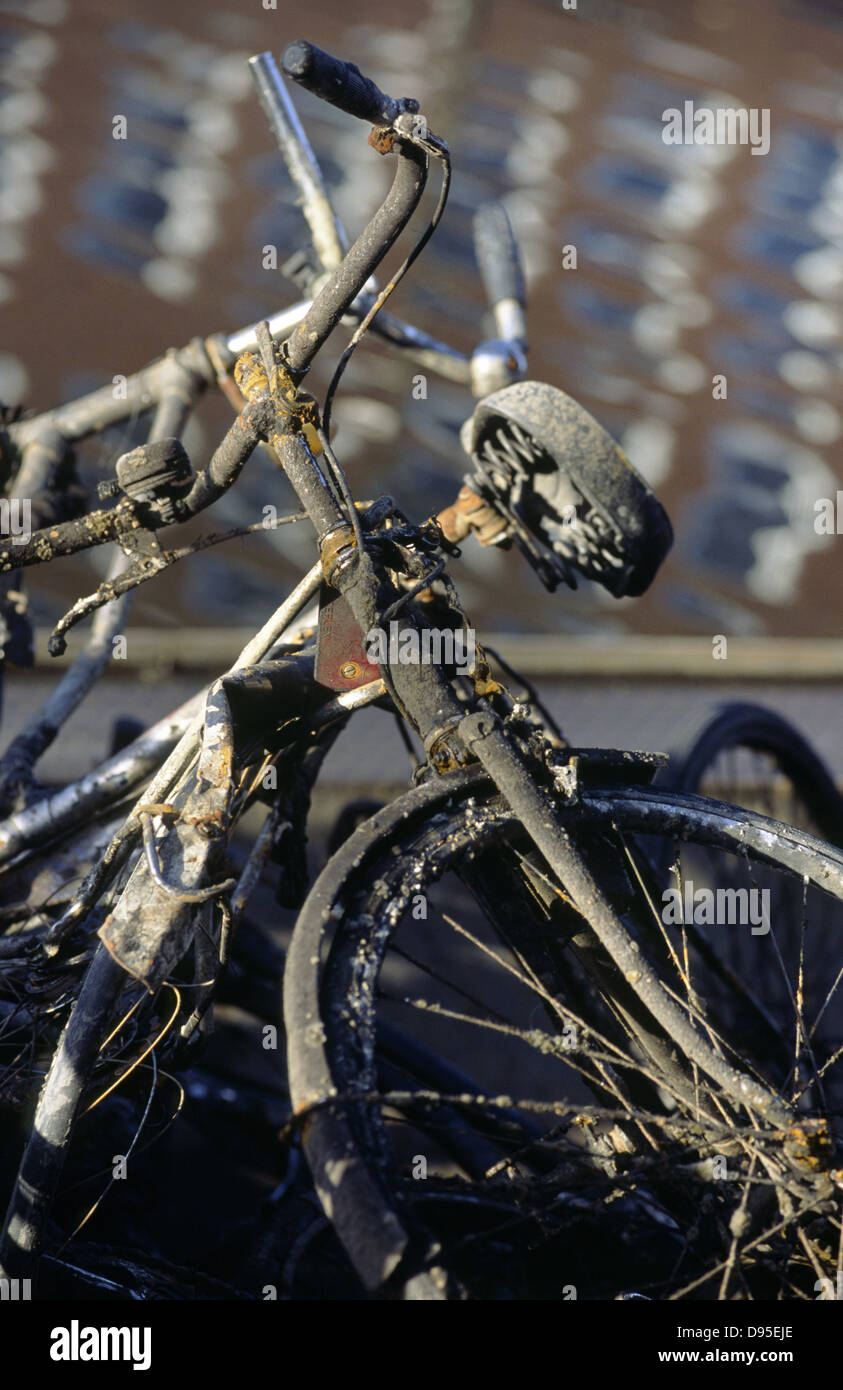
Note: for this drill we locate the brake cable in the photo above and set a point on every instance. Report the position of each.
(441, 152)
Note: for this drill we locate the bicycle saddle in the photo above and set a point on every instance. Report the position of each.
(569, 497)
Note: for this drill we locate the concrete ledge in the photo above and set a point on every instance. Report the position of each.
(209, 650)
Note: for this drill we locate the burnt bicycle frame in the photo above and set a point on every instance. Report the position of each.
(455, 732)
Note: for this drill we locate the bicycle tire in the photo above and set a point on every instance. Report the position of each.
(331, 1015)
(740, 725)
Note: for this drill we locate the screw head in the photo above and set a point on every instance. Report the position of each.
(350, 670)
(209, 829)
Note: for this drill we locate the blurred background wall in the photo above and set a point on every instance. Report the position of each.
(691, 262)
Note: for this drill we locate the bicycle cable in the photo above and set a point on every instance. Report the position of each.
(333, 462)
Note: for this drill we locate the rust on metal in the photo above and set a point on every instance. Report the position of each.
(298, 410)
(336, 548)
(225, 380)
(342, 662)
(152, 925)
(250, 375)
(446, 751)
(471, 514)
(382, 139)
(808, 1142)
(484, 682)
(210, 825)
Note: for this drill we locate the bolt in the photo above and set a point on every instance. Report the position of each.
(167, 510)
(478, 725)
(350, 670)
(208, 829)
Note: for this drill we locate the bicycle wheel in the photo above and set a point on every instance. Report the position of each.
(73, 1065)
(516, 1185)
(751, 756)
(93, 1047)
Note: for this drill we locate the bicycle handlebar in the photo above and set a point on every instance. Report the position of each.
(497, 254)
(500, 266)
(328, 237)
(342, 84)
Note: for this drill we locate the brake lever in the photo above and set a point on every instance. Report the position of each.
(154, 479)
(146, 566)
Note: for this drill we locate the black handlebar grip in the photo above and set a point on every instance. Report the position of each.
(497, 255)
(342, 84)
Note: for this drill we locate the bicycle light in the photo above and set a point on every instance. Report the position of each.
(158, 472)
(571, 499)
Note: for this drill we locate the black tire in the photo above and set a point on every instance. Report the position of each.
(808, 797)
(355, 1126)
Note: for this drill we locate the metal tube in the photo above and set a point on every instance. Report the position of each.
(40, 461)
(24, 751)
(99, 409)
(98, 789)
(245, 340)
(308, 481)
(346, 282)
(483, 735)
(428, 351)
(236, 446)
(329, 239)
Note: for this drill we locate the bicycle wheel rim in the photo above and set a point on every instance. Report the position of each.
(314, 1067)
